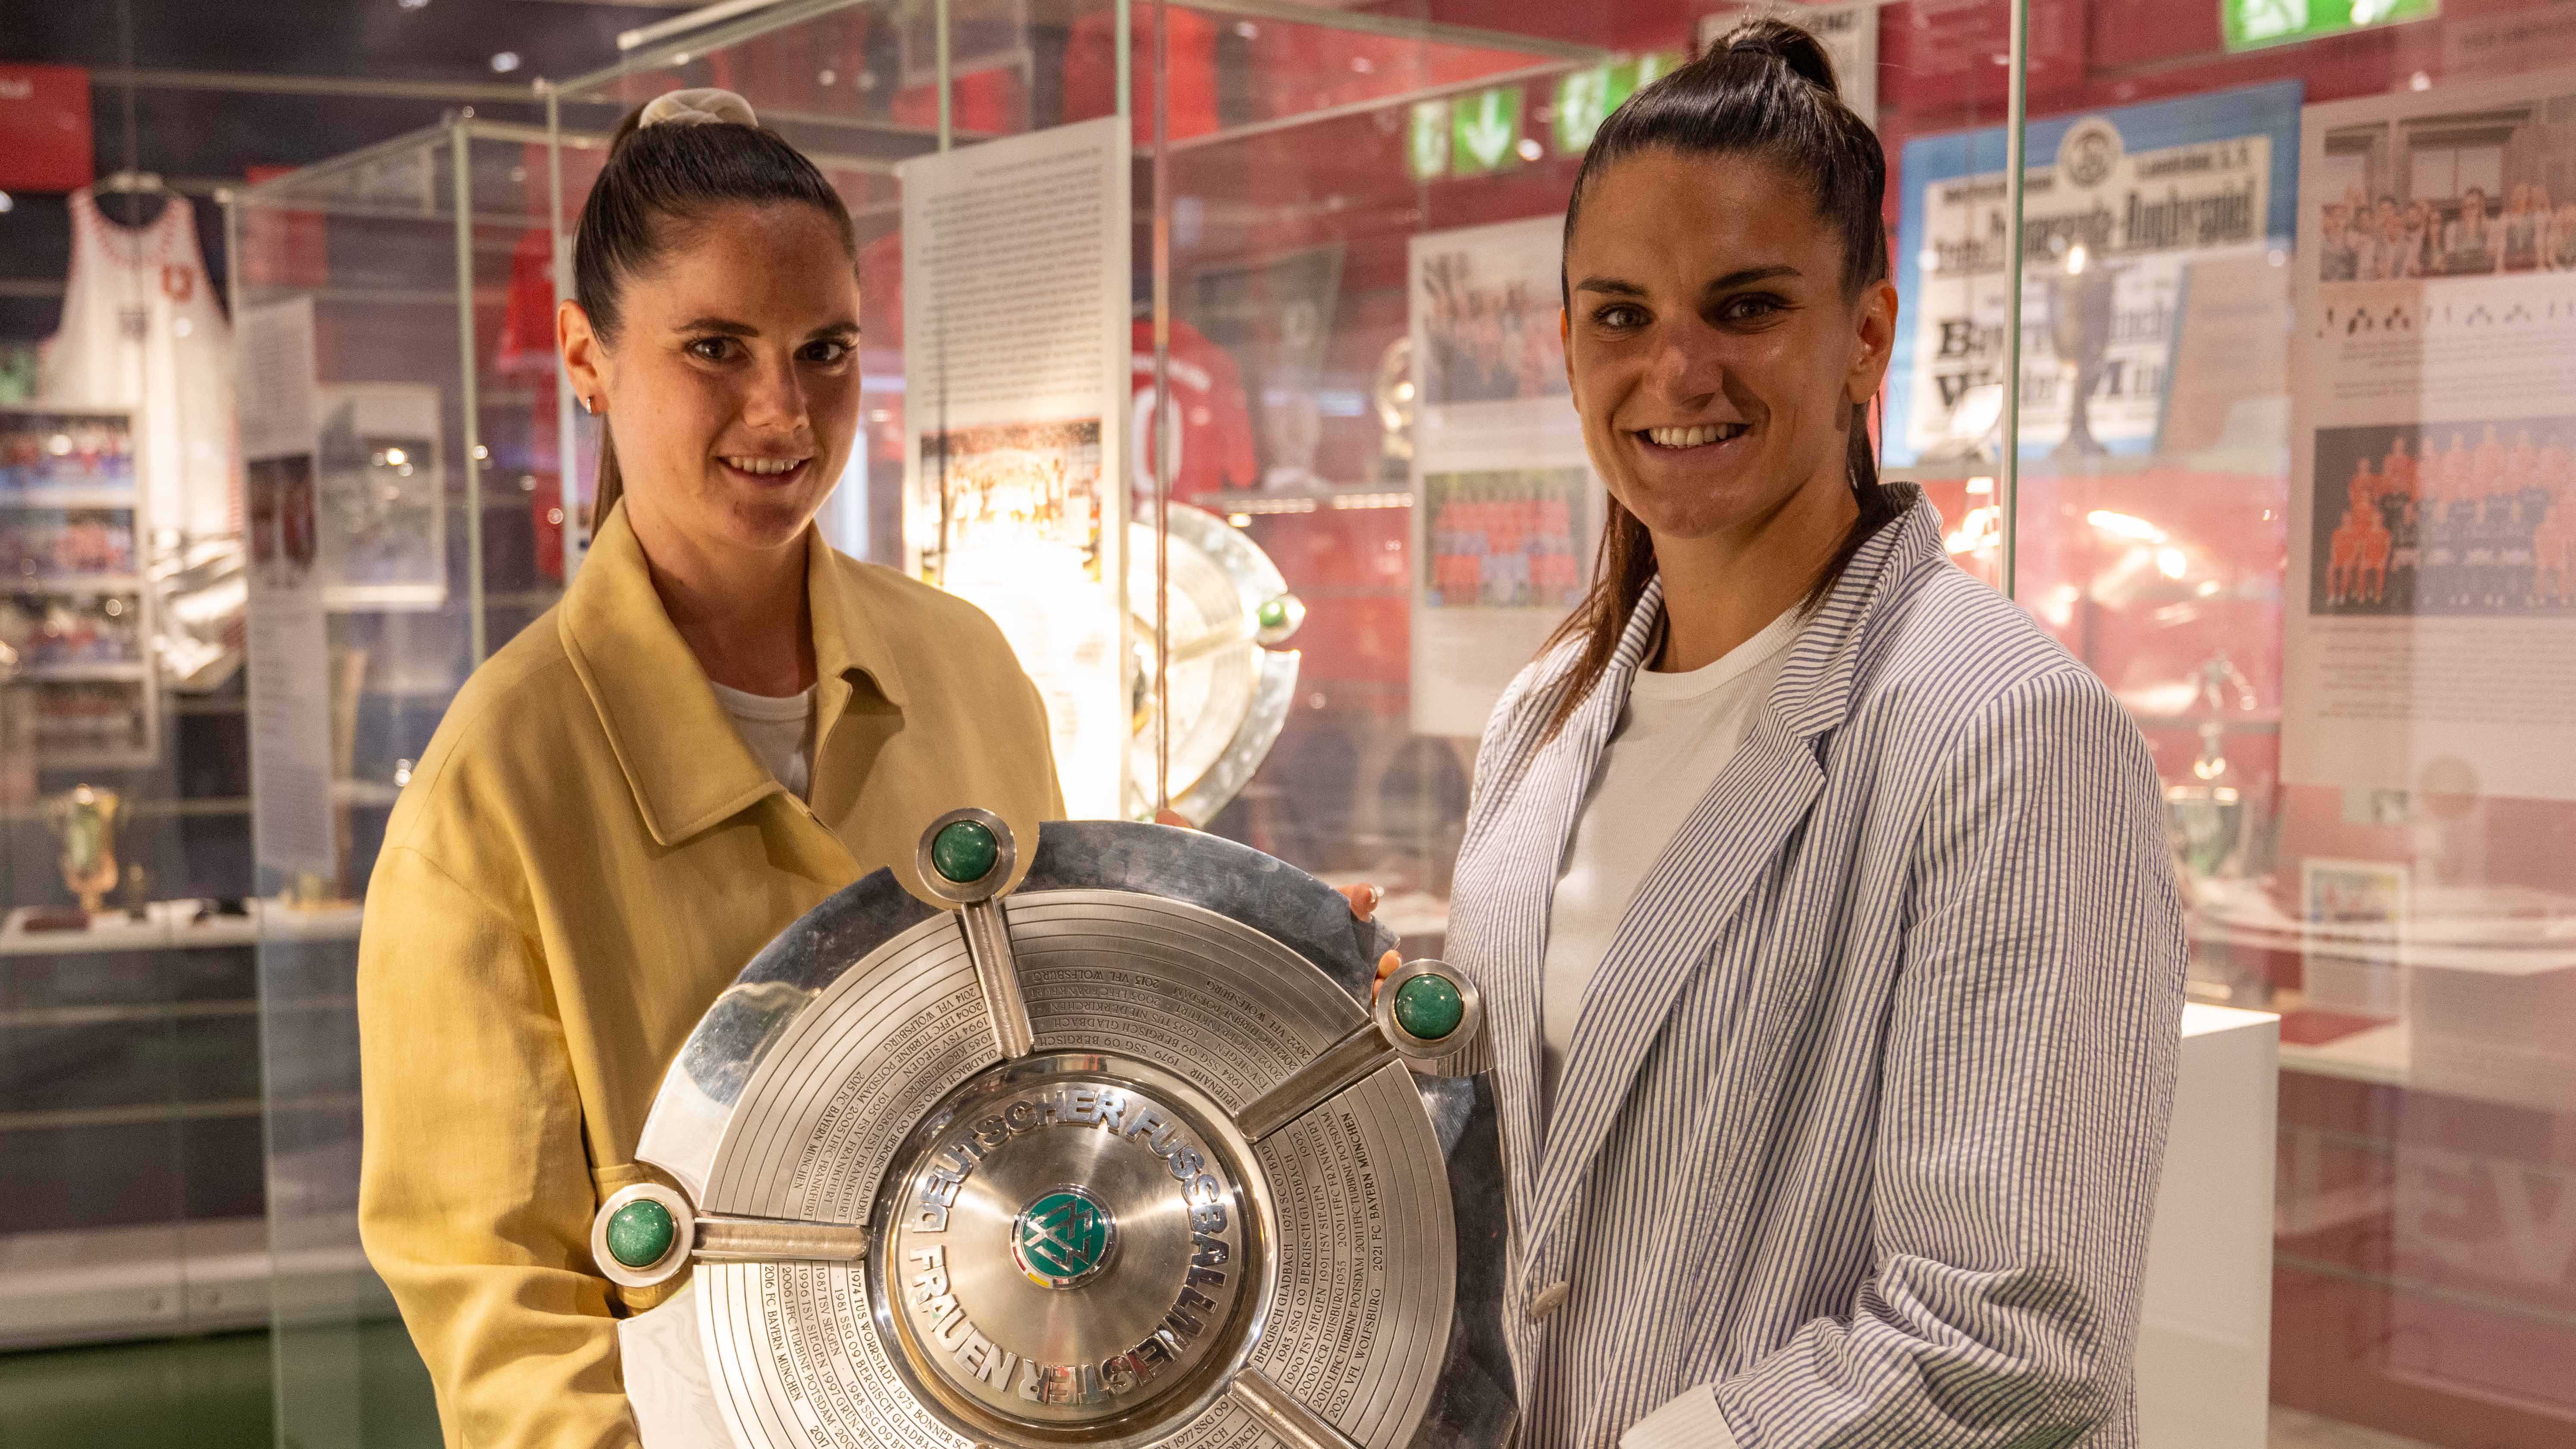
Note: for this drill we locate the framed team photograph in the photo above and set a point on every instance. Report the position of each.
(282, 528)
(1012, 485)
(1508, 538)
(2467, 518)
(2365, 897)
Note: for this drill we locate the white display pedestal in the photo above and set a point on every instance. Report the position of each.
(2205, 1342)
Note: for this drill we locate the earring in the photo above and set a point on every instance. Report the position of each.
(589, 407)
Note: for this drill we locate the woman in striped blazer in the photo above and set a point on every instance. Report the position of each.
(1821, 903)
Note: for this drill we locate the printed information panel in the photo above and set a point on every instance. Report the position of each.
(2432, 611)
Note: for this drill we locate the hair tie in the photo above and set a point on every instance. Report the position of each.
(701, 106)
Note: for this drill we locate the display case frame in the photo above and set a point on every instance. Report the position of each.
(437, 431)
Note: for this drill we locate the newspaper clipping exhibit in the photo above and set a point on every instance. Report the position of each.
(2432, 580)
(2120, 207)
(290, 719)
(1504, 515)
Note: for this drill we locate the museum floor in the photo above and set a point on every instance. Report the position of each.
(215, 1393)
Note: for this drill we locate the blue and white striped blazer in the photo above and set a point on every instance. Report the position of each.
(1859, 1131)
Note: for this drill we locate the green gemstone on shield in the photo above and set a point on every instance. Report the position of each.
(640, 1233)
(964, 852)
(1429, 1007)
(1273, 614)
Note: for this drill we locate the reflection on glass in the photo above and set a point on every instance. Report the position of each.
(2324, 590)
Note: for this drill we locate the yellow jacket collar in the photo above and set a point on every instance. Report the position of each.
(681, 754)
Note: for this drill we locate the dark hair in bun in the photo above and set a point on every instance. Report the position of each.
(659, 179)
(1766, 90)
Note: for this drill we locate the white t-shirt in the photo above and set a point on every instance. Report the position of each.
(1676, 732)
(779, 731)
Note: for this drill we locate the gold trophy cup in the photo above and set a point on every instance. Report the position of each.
(84, 819)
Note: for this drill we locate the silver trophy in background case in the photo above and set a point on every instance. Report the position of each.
(1230, 683)
(1124, 1156)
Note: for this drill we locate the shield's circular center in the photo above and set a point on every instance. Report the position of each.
(1070, 1241)
(1063, 1238)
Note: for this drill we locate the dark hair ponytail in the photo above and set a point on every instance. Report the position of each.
(659, 179)
(1767, 89)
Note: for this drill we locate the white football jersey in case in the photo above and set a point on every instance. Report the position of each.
(141, 330)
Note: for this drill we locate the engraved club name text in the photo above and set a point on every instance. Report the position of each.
(1191, 1315)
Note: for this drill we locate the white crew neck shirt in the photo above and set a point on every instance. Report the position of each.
(780, 732)
(1675, 733)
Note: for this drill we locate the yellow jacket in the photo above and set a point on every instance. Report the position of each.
(587, 854)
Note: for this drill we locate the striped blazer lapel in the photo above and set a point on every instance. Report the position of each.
(1700, 882)
(1687, 898)
(1516, 857)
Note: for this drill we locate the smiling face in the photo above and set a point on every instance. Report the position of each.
(732, 386)
(1714, 352)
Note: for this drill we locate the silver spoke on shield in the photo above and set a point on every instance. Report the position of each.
(770, 1240)
(647, 1232)
(988, 941)
(965, 858)
(1233, 635)
(1288, 1421)
(1423, 1010)
(1343, 1064)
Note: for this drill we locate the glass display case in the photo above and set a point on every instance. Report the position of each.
(2292, 472)
(404, 429)
(1376, 255)
(129, 1030)
(2224, 350)
(856, 85)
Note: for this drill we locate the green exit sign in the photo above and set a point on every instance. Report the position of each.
(1485, 131)
(1471, 135)
(1481, 132)
(2251, 23)
(1426, 145)
(1585, 98)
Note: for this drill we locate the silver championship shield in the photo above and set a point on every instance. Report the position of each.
(1126, 1157)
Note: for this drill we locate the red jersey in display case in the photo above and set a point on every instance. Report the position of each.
(1212, 446)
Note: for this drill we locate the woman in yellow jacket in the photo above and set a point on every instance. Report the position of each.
(723, 722)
